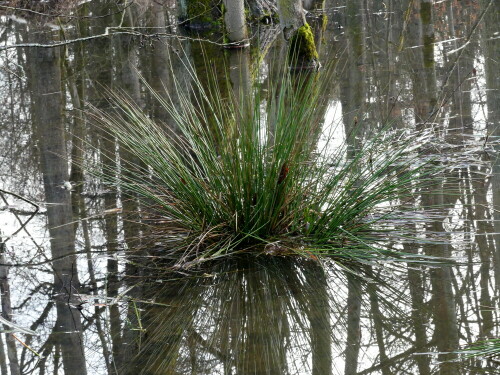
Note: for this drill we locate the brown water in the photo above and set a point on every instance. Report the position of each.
(71, 271)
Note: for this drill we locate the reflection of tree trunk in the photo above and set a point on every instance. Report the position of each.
(382, 44)
(459, 86)
(496, 217)
(100, 50)
(241, 79)
(3, 359)
(76, 88)
(418, 314)
(353, 342)
(352, 89)
(419, 309)
(167, 324)
(377, 321)
(424, 91)
(427, 24)
(491, 48)
(45, 81)
(481, 216)
(259, 338)
(76, 79)
(248, 319)
(445, 318)
(160, 63)
(415, 60)
(319, 318)
(7, 315)
(236, 323)
(352, 93)
(127, 79)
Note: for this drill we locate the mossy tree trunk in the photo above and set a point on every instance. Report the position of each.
(197, 14)
(262, 10)
(313, 4)
(297, 33)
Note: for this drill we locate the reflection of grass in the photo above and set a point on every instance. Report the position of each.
(484, 349)
(239, 175)
(256, 315)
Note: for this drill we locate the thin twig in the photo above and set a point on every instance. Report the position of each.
(467, 40)
(110, 32)
(23, 225)
(49, 260)
(63, 15)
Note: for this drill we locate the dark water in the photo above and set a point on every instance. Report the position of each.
(74, 269)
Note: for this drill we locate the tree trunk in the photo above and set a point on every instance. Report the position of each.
(262, 10)
(234, 18)
(298, 33)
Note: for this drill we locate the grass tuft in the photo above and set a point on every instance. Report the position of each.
(260, 172)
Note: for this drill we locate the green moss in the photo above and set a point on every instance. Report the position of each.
(302, 44)
(248, 14)
(428, 51)
(199, 11)
(324, 22)
(426, 13)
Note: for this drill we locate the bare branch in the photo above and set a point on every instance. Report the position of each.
(112, 31)
(23, 225)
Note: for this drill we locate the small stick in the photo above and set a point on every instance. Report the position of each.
(27, 346)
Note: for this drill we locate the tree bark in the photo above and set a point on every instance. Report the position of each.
(234, 18)
(262, 9)
(298, 33)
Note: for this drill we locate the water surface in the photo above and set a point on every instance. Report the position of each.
(79, 271)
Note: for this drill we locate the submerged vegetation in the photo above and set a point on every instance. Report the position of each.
(247, 173)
